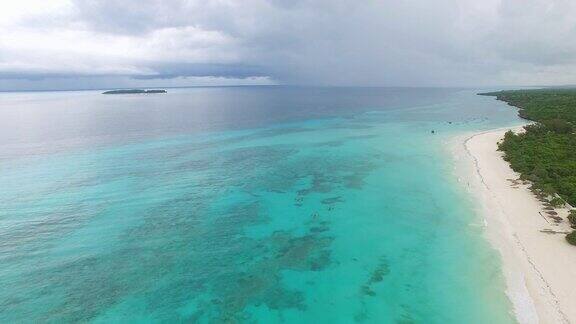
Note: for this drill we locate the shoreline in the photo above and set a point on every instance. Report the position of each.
(538, 267)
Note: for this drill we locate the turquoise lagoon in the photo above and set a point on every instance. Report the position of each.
(243, 205)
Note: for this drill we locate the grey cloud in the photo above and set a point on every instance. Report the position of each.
(327, 42)
(130, 17)
(169, 71)
(536, 32)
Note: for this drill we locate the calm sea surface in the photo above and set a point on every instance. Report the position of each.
(243, 205)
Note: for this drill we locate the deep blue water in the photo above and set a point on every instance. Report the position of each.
(243, 204)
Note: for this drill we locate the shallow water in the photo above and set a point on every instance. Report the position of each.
(257, 204)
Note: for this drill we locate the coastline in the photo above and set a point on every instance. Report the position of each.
(538, 266)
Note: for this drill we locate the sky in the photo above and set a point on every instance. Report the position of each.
(68, 44)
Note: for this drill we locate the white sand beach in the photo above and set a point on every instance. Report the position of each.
(538, 264)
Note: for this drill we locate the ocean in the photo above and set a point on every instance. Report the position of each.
(244, 205)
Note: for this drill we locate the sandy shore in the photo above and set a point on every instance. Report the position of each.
(538, 264)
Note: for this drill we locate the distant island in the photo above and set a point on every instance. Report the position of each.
(127, 91)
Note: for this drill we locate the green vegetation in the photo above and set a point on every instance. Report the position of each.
(543, 105)
(572, 217)
(545, 153)
(571, 238)
(557, 202)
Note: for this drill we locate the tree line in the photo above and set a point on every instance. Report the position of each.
(545, 153)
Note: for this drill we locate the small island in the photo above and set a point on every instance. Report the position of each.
(129, 91)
